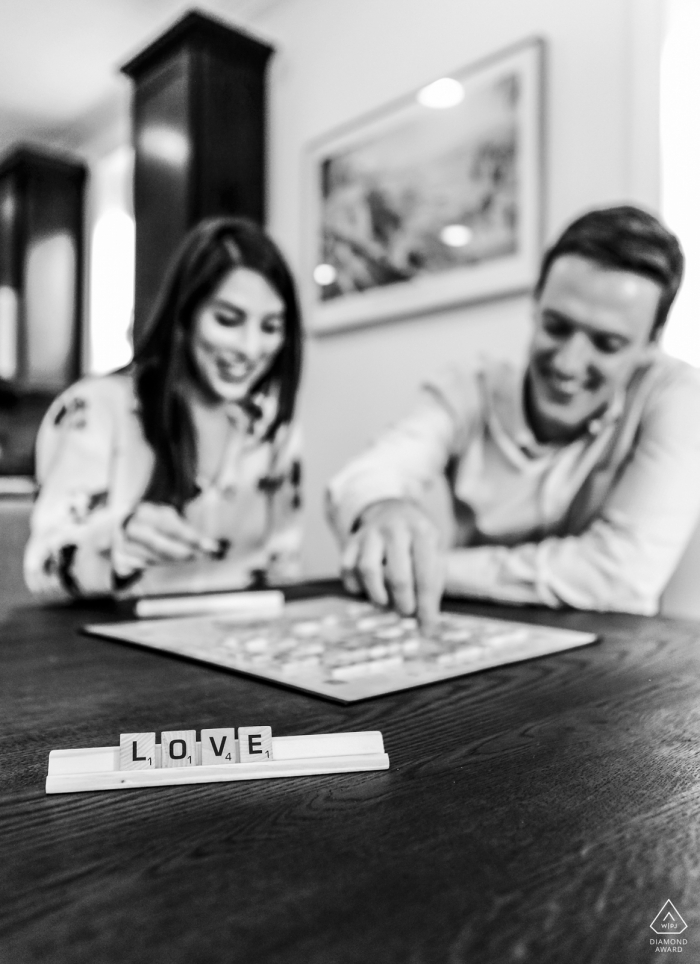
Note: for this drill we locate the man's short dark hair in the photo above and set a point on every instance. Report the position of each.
(623, 238)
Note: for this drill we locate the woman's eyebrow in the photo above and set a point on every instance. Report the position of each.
(226, 305)
(222, 304)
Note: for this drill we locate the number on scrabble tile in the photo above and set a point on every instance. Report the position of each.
(137, 751)
(255, 743)
(178, 748)
(219, 746)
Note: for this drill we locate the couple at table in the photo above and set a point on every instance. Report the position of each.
(574, 476)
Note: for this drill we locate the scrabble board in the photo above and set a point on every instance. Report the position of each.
(344, 649)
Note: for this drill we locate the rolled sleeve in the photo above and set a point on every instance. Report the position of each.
(406, 459)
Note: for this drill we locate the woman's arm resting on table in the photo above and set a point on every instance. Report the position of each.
(284, 542)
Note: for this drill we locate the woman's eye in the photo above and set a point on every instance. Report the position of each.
(229, 320)
(273, 326)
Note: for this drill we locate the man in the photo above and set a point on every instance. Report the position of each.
(575, 479)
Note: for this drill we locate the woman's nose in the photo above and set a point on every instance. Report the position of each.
(251, 341)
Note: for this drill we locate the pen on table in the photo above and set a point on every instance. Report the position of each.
(261, 604)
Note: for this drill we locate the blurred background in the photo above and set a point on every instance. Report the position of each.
(94, 160)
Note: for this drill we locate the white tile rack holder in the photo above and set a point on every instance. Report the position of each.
(97, 768)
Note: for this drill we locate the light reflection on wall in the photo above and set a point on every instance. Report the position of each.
(9, 307)
(166, 144)
(9, 299)
(112, 252)
(49, 310)
(680, 159)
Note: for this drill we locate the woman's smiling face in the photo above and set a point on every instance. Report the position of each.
(236, 334)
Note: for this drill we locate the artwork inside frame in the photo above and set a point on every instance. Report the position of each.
(418, 207)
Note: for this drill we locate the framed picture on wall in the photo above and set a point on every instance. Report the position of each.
(430, 202)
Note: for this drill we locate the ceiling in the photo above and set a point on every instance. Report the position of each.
(60, 59)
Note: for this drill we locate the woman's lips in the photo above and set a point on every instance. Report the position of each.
(235, 372)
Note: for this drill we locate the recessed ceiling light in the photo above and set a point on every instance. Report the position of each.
(442, 93)
(325, 274)
(456, 235)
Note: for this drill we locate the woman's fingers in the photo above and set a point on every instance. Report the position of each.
(170, 523)
(159, 534)
(155, 546)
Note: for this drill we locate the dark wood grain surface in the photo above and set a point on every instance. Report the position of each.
(538, 812)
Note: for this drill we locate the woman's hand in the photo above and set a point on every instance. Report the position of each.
(395, 557)
(156, 534)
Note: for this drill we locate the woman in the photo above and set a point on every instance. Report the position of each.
(181, 473)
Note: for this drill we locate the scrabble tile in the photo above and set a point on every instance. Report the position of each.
(255, 744)
(137, 751)
(178, 748)
(219, 746)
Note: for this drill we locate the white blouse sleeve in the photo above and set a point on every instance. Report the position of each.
(285, 539)
(72, 524)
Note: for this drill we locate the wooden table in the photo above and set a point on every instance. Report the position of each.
(532, 813)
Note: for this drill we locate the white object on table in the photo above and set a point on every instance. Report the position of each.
(97, 768)
(249, 605)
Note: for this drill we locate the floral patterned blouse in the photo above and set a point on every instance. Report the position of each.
(93, 466)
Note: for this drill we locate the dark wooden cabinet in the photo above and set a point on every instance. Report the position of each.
(199, 120)
(41, 293)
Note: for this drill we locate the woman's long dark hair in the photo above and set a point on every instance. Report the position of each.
(212, 249)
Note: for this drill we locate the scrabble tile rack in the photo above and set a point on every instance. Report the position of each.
(97, 768)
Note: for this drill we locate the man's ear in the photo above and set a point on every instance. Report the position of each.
(654, 342)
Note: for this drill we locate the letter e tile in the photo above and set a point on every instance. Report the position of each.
(219, 746)
(255, 743)
(178, 748)
(137, 751)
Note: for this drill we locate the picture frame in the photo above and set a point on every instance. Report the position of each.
(417, 208)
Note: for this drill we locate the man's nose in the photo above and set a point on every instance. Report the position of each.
(572, 358)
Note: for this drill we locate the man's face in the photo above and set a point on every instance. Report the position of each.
(592, 329)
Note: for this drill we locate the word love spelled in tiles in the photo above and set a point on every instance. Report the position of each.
(180, 748)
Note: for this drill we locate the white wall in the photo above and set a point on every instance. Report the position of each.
(680, 148)
(337, 60)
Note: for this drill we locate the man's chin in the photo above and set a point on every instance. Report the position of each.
(558, 416)
(560, 422)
